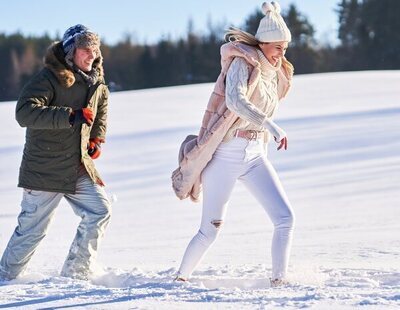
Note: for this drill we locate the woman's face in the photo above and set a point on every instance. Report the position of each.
(274, 51)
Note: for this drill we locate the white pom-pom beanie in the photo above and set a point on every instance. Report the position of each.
(272, 27)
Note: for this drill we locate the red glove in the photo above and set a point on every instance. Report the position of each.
(82, 116)
(88, 115)
(94, 147)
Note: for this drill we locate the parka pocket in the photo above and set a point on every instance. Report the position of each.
(30, 200)
(27, 207)
(28, 219)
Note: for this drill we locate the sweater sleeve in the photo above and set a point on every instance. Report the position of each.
(236, 93)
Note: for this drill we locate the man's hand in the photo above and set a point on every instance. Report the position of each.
(94, 148)
(82, 116)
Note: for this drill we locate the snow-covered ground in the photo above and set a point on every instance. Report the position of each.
(341, 172)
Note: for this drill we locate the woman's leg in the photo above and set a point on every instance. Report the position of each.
(263, 182)
(218, 179)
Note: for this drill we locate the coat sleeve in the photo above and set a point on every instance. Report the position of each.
(236, 93)
(33, 108)
(99, 127)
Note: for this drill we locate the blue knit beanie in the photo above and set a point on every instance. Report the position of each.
(70, 35)
(79, 36)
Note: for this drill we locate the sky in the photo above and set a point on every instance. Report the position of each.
(148, 21)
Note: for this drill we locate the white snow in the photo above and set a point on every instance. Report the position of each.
(341, 173)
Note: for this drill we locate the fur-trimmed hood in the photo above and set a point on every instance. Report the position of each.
(55, 62)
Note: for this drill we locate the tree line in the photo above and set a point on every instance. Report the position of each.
(368, 33)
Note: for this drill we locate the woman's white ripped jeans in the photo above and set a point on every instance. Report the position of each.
(240, 159)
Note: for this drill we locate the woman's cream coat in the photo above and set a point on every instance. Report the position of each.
(197, 151)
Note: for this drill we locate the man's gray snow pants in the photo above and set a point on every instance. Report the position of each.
(90, 202)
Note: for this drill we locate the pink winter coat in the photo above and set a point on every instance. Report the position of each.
(197, 151)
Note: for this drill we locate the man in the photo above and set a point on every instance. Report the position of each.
(64, 108)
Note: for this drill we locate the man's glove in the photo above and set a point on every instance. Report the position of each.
(278, 133)
(94, 148)
(81, 116)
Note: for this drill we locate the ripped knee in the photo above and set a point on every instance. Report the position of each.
(217, 223)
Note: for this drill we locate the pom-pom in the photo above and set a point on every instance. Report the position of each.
(267, 7)
(276, 6)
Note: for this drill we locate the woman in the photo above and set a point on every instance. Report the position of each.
(255, 76)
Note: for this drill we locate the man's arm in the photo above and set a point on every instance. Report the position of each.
(33, 108)
(99, 127)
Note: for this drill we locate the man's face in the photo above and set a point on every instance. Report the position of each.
(84, 57)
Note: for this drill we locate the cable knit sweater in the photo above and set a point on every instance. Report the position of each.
(262, 103)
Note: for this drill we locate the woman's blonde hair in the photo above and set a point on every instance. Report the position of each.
(236, 34)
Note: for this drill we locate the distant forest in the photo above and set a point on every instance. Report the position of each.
(368, 33)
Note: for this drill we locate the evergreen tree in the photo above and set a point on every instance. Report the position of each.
(369, 34)
(379, 37)
(350, 25)
(349, 22)
(301, 29)
(251, 23)
(302, 49)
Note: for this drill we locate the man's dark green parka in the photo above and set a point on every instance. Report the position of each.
(54, 149)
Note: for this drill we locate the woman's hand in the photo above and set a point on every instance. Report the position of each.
(282, 144)
(278, 133)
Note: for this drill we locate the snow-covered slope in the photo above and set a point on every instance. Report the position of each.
(341, 172)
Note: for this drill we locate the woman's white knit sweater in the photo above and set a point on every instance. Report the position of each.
(263, 102)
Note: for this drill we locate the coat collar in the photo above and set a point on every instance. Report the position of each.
(55, 62)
